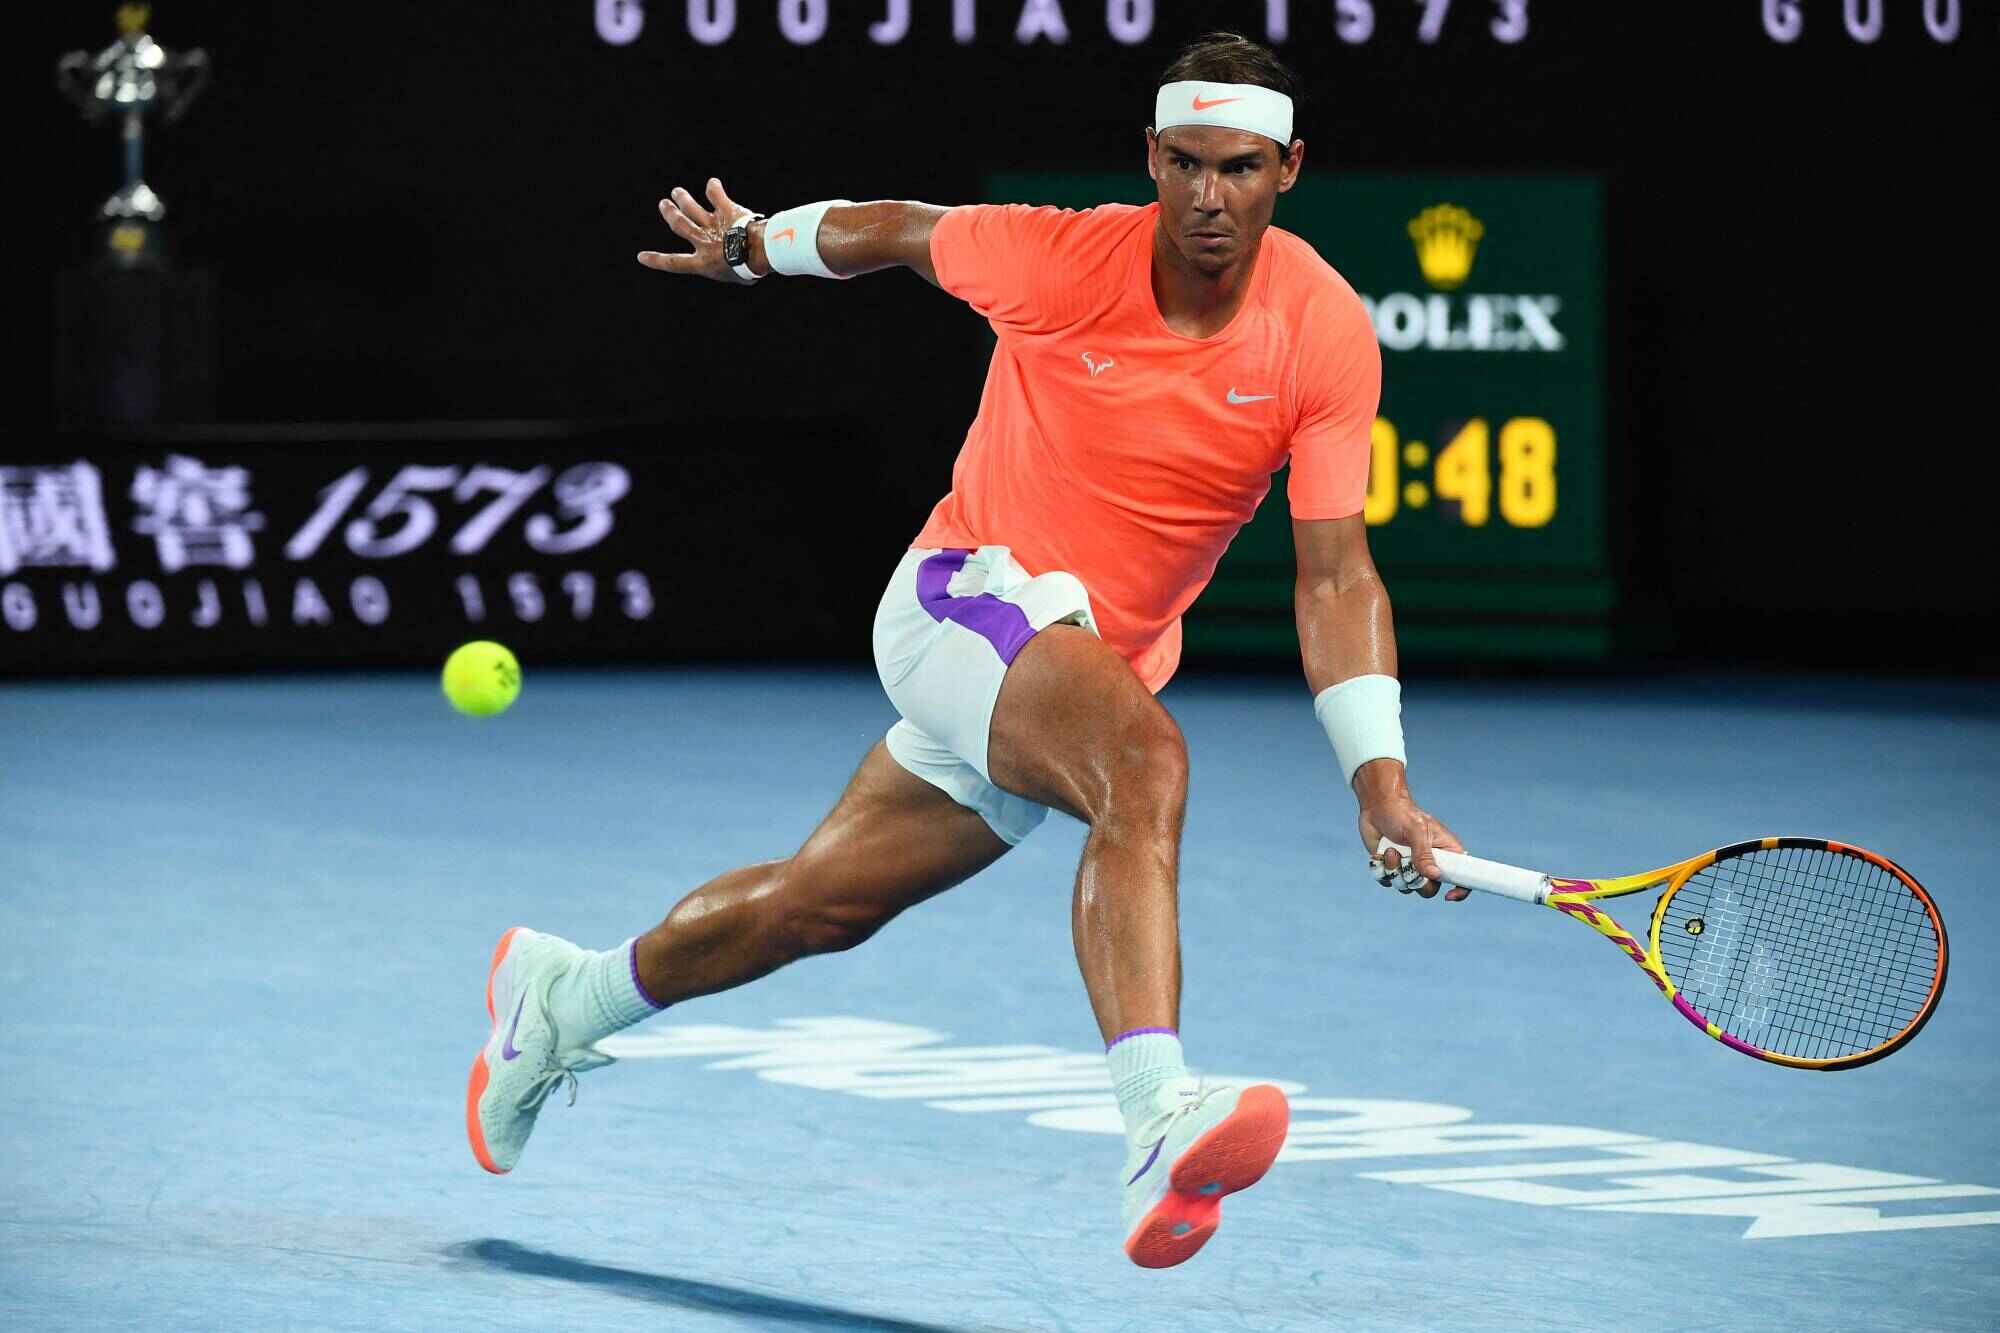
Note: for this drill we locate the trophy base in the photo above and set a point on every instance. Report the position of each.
(129, 243)
(136, 202)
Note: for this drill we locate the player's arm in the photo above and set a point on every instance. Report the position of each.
(1348, 641)
(841, 239)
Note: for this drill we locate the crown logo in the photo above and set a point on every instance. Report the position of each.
(1446, 237)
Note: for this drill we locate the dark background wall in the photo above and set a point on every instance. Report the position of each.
(431, 212)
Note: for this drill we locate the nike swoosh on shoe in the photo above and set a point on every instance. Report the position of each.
(507, 1051)
(1152, 1158)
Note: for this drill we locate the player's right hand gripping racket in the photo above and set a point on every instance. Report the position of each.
(1800, 951)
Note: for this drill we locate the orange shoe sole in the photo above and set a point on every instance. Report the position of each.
(475, 1087)
(1231, 1156)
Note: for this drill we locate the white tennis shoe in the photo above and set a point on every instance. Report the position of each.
(1205, 1142)
(525, 1058)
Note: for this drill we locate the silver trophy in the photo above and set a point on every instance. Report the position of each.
(132, 78)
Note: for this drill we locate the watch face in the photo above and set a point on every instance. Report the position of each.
(736, 244)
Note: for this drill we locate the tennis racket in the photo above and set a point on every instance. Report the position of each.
(1800, 951)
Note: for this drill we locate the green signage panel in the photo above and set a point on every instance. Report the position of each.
(1488, 485)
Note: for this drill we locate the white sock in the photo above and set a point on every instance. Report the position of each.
(1142, 1062)
(600, 995)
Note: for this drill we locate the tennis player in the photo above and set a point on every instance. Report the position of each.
(1155, 367)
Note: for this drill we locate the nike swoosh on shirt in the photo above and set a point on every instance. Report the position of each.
(1236, 397)
(1200, 105)
(507, 1051)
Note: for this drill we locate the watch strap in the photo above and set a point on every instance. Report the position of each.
(741, 229)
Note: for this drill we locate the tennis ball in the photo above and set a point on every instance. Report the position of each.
(482, 679)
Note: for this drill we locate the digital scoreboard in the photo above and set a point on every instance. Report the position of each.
(1490, 484)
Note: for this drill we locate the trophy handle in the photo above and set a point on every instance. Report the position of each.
(72, 83)
(193, 67)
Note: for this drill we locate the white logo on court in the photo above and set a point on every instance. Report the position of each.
(1236, 397)
(1608, 1170)
(1096, 367)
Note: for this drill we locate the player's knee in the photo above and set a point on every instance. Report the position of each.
(1149, 768)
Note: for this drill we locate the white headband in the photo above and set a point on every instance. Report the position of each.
(1229, 106)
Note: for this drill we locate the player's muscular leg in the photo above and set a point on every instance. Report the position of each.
(1077, 730)
(891, 841)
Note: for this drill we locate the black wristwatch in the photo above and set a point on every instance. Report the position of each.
(736, 247)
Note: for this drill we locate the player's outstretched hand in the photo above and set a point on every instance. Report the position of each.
(1403, 822)
(702, 228)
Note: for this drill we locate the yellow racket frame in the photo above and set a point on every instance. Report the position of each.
(1577, 898)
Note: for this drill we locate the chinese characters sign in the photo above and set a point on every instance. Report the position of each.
(197, 554)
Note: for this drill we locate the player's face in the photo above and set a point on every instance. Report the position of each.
(1217, 189)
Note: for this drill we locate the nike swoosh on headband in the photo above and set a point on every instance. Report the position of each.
(1200, 105)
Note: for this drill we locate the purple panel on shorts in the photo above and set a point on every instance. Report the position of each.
(1001, 624)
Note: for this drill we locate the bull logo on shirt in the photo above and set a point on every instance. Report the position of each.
(1095, 366)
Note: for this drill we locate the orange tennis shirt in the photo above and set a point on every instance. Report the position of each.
(1127, 454)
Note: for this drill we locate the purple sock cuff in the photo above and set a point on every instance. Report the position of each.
(1135, 1032)
(632, 956)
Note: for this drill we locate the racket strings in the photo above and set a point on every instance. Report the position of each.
(1801, 951)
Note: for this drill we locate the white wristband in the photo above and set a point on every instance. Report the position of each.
(791, 240)
(1363, 717)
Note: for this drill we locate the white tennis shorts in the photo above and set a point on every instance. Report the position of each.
(950, 624)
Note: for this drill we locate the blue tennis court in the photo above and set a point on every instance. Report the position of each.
(250, 921)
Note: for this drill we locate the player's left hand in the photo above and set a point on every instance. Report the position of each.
(1402, 821)
(701, 228)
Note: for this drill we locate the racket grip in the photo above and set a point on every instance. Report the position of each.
(1476, 872)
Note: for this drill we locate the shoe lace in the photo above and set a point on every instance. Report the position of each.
(1191, 1101)
(559, 1070)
